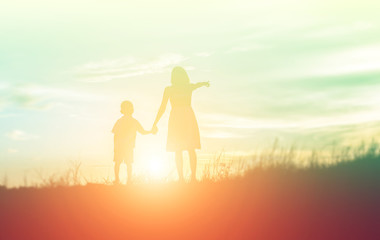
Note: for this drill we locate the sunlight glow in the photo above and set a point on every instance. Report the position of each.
(156, 169)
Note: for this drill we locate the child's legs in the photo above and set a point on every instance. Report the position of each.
(193, 163)
(129, 171)
(118, 159)
(179, 163)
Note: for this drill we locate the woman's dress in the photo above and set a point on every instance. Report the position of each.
(183, 131)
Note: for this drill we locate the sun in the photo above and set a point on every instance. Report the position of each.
(155, 168)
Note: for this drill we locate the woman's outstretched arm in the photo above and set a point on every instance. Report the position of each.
(200, 84)
(162, 108)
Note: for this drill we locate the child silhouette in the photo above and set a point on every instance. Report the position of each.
(124, 139)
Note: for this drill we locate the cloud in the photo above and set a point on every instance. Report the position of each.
(344, 61)
(203, 54)
(224, 121)
(28, 101)
(7, 115)
(41, 98)
(314, 49)
(246, 48)
(240, 122)
(3, 85)
(218, 133)
(189, 68)
(18, 97)
(59, 93)
(359, 59)
(120, 68)
(12, 150)
(340, 30)
(112, 65)
(18, 135)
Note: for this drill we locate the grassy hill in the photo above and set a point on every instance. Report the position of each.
(335, 202)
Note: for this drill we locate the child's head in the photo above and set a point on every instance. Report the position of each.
(126, 108)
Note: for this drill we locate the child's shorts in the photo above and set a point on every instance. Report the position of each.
(123, 155)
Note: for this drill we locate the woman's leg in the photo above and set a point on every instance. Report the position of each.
(116, 169)
(179, 163)
(193, 164)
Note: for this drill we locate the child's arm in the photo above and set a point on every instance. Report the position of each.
(142, 131)
(200, 84)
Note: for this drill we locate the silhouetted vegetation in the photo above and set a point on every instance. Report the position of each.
(276, 201)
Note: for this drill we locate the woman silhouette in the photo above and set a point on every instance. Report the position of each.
(183, 131)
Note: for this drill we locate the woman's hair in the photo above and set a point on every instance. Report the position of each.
(179, 76)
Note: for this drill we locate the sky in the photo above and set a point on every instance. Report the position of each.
(304, 72)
